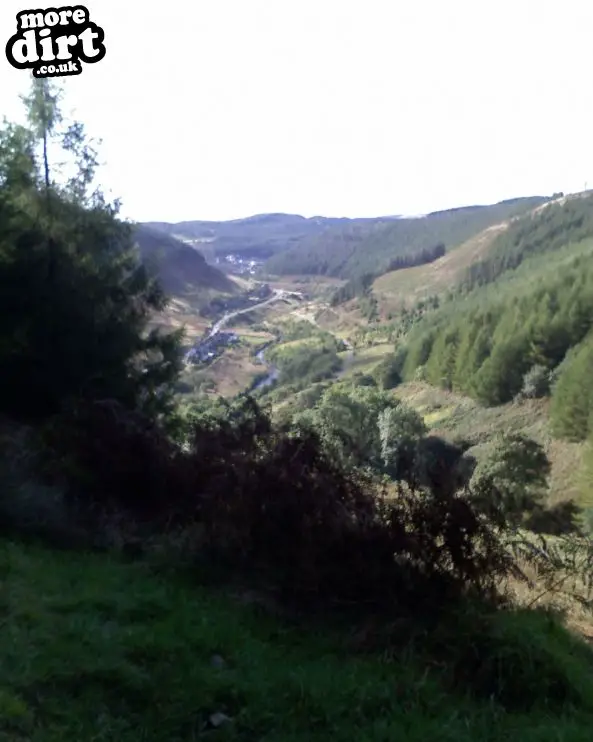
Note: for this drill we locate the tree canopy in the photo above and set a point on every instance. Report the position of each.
(74, 296)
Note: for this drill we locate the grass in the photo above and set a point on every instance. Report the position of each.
(252, 337)
(452, 416)
(291, 345)
(93, 649)
(404, 287)
(364, 360)
(234, 371)
(343, 319)
(227, 375)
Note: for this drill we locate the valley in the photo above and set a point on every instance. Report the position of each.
(292, 477)
(252, 345)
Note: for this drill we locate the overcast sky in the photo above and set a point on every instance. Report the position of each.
(219, 109)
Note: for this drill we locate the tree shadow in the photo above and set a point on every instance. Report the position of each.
(558, 520)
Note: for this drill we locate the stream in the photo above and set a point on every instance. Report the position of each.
(273, 373)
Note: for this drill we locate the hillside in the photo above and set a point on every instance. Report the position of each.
(397, 289)
(527, 300)
(506, 340)
(95, 649)
(488, 254)
(457, 417)
(257, 237)
(360, 248)
(181, 268)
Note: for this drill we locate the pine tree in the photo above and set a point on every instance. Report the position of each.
(74, 297)
(572, 397)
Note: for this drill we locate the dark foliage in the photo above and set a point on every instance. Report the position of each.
(562, 518)
(110, 459)
(422, 258)
(75, 298)
(275, 503)
(353, 288)
(388, 373)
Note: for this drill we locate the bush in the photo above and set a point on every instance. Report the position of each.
(361, 379)
(513, 477)
(275, 503)
(110, 459)
(536, 383)
(388, 373)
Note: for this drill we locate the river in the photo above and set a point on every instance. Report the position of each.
(273, 373)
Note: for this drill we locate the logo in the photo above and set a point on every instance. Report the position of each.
(55, 42)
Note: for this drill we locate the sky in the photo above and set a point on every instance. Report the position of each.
(220, 109)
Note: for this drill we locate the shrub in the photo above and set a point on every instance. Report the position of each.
(513, 478)
(274, 503)
(361, 379)
(536, 383)
(388, 373)
(108, 458)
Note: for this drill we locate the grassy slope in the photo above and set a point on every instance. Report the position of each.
(93, 649)
(452, 415)
(399, 288)
(405, 287)
(363, 360)
(180, 313)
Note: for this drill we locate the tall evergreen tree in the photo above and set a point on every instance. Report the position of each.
(74, 297)
(572, 398)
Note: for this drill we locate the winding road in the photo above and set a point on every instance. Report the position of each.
(278, 294)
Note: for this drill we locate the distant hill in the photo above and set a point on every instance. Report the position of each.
(257, 237)
(181, 268)
(526, 302)
(358, 247)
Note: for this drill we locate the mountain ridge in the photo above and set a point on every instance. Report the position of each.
(358, 248)
(181, 268)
